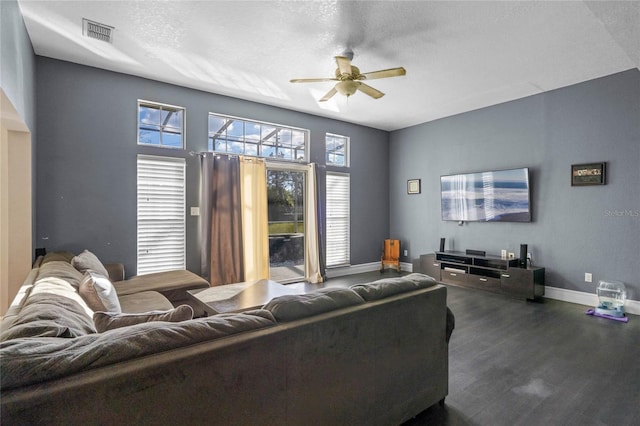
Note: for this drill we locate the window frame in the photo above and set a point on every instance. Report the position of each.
(182, 243)
(166, 107)
(346, 260)
(262, 142)
(347, 150)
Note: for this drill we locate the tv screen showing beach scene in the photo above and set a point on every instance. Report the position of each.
(495, 196)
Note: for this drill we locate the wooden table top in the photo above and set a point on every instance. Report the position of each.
(239, 297)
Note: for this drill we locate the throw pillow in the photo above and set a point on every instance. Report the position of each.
(109, 320)
(99, 293)
(87, 261)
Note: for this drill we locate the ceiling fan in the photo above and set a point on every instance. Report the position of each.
(350, 79)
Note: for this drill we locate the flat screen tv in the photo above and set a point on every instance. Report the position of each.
(495, 196)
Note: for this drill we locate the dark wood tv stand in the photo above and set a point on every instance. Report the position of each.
(490, 273)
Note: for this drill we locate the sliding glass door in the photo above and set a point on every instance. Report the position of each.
(286, 195)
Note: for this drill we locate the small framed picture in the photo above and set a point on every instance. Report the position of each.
(588, 174)
(413, 186)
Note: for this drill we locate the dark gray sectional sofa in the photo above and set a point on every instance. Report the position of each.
(375, 353)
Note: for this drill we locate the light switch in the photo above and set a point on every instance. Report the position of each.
(195, 211)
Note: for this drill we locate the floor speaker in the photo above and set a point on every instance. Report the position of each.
(441, 244)
(523, 256)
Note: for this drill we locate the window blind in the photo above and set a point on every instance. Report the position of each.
(338, 222)
(161, 214)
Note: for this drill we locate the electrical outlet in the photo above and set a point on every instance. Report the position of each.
(588, 277)
(406, 253)
(512, 255)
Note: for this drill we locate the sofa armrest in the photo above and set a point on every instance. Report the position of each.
(164, 282)
(115, 270)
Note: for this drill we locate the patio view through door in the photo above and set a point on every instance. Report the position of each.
(285, 195)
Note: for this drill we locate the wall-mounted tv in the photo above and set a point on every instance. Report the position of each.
(500, 196)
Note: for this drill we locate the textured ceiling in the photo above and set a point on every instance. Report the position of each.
(459, 56)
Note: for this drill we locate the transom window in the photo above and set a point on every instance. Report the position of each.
(238, 136)
(160, 125)
(337, 150)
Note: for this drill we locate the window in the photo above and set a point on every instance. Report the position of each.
(161, 214)
(337, 150)
(160, 125)
(338, 222)
(237, 136)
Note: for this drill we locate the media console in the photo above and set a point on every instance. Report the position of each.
(491, 273)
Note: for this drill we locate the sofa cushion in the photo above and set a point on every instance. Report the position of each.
(144, 301)
(164, 282)
(28, 361)
(389, 286)
(57, 256)
(50, 315)
(36, 328)
(109, 320)
(61, 287)
(57, 270)
(87, 261)
(293, 307)
(261, 313)
(99, 293)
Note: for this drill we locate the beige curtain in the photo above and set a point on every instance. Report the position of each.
(255, 227)
(312, 253)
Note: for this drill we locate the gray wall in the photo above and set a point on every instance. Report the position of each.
(574, 229)
(87, 152)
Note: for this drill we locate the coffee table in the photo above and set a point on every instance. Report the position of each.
(239, 297)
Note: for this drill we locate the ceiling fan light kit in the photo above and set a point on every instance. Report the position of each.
(347, 87)
(350, 79)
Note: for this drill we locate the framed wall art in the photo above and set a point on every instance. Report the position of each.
(413, 186)
(588, 174)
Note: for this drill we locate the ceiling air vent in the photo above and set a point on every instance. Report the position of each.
(98, 31)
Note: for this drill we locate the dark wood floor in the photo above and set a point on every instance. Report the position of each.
(513, 362)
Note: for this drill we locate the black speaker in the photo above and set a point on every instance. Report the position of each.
(523, 256)
(441, 244)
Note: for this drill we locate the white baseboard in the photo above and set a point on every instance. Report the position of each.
(571, 296)
(587, 299)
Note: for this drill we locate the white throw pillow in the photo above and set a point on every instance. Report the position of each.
(99, 293)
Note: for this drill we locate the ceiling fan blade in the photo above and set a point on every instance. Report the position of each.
(329, 95)
(344, 64)
(312, 80)
(392, 72)
(374, 93)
